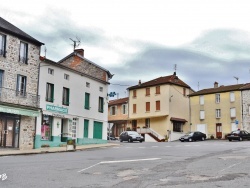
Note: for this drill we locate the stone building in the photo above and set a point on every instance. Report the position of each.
(19, 100)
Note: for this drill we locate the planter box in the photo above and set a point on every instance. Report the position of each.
(71, 145)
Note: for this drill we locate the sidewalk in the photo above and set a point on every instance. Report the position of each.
(6, 152)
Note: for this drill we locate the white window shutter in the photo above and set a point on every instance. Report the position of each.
(232, 112)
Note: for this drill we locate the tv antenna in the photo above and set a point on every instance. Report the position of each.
(76, 42)
(237, 78)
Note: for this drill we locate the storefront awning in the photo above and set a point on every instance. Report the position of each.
(178, 119)
(19, 111)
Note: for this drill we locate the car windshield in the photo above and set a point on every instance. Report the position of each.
(133, 133)
(235, 132)
(189, 134)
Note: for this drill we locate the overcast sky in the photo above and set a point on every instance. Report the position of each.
(208, 40)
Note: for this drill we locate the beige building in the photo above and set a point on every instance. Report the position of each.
(160, 107)
(216, 111)
(118, 116)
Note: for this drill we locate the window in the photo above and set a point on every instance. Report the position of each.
(101, 89)
(147, 91)
(23, 54)
(217, 98)
(232, 97)
(134, 108)
(217, 113)
(157, 90)
(3, 45)
(73, 128)
(202, 114)
(134, 93)
(21, 85)
(147, 106)
(232, 112)
(124, 109)
(51, 71)
(1, 78)
(87, 84)
(184, 91)
(113, 110)
(87, 99)
(66, 76)
(65, 96)
(46, 127)
(157, 105)
(50, 92)
(101, 103)
(202, 100)
(177, 126)
(147, 122)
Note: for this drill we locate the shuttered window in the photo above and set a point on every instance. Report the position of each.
(147, 106)
(157, 90)
(134, 108)
(134, 93)
(147, 91)
(233, 112)
(202, 114)
(86, 104)
(158, 105)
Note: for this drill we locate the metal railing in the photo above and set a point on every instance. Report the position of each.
(149, 130)
(19, 97)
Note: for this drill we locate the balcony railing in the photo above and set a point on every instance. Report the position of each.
(20, 98)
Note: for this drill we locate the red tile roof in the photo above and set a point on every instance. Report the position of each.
(118, 101)
(172, 79)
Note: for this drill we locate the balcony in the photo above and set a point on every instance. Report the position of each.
(20, 98)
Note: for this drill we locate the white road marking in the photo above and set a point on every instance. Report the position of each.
(229, 167)
(121, 161)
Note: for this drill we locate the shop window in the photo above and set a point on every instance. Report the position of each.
(46, 127)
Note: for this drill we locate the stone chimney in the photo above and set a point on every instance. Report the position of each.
(216, 84)
(79, 51)
(139, 83)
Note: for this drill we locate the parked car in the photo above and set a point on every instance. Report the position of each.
(111, 137)
(193, 136)
(131, 136)
(238, 135)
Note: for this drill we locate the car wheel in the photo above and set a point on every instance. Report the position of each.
(182, 140)
(229, 140)
(202, 138)
(141, 141)
(120, 140)
(190, 139)
(240, 139)
(129, 140)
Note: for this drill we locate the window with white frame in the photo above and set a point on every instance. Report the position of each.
(21, 85)
(232, 97)
(202, 114)
(66, 76)
(23, 53)
(232, 112)
(124, 109)
(202, 100)
(3, 45)
(113, 110)
(217, 113)
(50, 71)
(217, 98)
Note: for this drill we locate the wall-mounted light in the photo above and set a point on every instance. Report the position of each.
(170, 98)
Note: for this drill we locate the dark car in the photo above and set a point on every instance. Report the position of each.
(131, 136)
(193, 136)
(238, 135)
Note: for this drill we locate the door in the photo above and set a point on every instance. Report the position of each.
(86, 128)
(97, 130)
(134, 125)
(218, 130)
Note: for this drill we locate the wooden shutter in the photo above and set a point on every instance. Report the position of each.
(147, 106)
(134, 108)
(158, 105)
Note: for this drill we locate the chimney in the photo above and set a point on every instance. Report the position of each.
(215, 84)
(139, 83)
(80, 52)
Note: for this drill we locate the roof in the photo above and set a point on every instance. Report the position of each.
(171, 79)
(9, 28)
(45, 60)
(118, 101)
(77, 54)
(220, 89)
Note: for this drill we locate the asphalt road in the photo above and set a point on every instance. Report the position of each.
(167, 164)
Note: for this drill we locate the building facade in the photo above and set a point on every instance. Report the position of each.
(118, 115)
(245, 93)
(216, 111)
(160, 107)
(19, 99)
(73, 101)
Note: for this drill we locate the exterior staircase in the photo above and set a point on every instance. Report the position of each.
(151, 133)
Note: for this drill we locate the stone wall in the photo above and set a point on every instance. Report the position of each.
(245, 110)
(27, 131)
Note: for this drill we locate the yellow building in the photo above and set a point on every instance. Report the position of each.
(216, 111)
(160, 107)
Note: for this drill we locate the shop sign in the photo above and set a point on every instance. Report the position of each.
(18, 111)
(57, 109)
